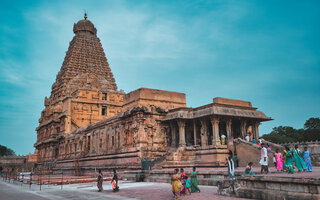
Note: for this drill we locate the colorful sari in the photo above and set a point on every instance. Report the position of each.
(298, 160)
(284, 159)
(248, 171)
(176, 186)
(194, 182)
(307, 159)
(279, 162)
(289, 162)
(183, 189)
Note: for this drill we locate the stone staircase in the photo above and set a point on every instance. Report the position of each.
(251, 152)
(210, 156)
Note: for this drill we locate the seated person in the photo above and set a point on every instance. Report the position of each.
(248, 170)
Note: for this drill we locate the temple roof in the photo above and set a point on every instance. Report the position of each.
(85, 56)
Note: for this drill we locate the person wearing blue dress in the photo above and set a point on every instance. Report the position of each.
(307, 159)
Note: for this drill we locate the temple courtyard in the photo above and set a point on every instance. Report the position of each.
(86, 189)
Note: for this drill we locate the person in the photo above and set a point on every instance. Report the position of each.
(264, 159)
(298, 160)
(268, 147)
(260, 141)
(223, 139)
(247, 138)
(114, 181)
(307, 159)
(187, 184)
(279, 162)
(254, 141)
(248, 170)
(230, 164)
(194, 181)
(274, 160)
(289, 161)
(176, 184)
(284, 158)
(100, 181)
(182, 174)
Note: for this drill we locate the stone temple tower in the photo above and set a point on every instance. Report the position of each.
(85, 91)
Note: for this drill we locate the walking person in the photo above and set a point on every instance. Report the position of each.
(279, 162)
(182, 174)
(114, 181)
(176, 184)
(307, 159)
(264, 159)
(194, 181)
(289, 161)
(230, 164)
(298, 160)
(100, 181)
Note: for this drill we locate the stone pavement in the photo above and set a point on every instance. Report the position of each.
(88, 191)
(162, 191)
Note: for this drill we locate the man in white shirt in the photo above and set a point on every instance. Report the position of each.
(264, 159)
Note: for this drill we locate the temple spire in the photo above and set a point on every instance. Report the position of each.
(85, 15)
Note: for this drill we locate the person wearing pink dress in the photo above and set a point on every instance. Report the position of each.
(279, 161)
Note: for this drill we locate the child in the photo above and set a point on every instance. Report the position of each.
(248, 169)
(187, 184)
(274, 160)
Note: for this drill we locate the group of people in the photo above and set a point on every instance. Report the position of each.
(181, 183)
(114, 181)
(289, 161)
(293, 159)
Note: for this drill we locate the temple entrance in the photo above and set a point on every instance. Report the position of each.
(236, 128)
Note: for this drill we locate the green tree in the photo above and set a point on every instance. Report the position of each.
(312, 123)
(5, 151)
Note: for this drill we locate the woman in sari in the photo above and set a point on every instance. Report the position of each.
(284, 158)
(307, 159)
(279, 162)
(176, 184)
(248, 170)
(114, 181)
(298, 160)
(289, 161)
(194, 181)
(183, 174)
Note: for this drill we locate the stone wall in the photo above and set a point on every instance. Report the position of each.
(268, 188)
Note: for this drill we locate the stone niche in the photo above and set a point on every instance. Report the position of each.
(153, 97)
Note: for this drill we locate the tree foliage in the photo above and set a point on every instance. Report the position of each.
(284, 134)
(5, 151)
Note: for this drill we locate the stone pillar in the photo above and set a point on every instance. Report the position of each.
(195, 132)
(243, 128)
(215, 131)
(173, 134)
(229, 125)
(255, 130)
(204, 134)
(182, 126)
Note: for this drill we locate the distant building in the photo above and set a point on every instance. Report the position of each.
(87, 122)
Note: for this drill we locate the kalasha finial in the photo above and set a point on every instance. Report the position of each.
(85, 15)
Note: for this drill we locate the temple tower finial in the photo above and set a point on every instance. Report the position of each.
(85, 15)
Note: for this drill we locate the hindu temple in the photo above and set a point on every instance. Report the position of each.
(88, 123)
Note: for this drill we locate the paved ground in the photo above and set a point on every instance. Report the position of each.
(128, 191)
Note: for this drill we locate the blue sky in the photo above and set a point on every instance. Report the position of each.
(266, 52)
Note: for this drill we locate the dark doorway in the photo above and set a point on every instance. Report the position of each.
(236, 128)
